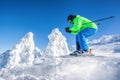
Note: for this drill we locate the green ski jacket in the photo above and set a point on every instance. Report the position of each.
(80, 23)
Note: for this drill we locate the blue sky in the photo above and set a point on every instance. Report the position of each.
(17, 17)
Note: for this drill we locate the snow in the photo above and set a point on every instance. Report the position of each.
(111, 49)
(106, 39)
(91, 68)
(107, 45)
(57, 45)
(24, 52)
(4, 58)
(27, 62)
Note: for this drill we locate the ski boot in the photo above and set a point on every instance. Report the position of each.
(76, 53)
(88, 52)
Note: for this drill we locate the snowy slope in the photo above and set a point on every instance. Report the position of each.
(107, 49)
(105, 39)
(107, 45)
(20, 63)
(4, 58)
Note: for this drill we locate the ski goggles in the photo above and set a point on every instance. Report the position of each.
(70, 21)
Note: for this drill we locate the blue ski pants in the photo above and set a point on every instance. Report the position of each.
(81, 38)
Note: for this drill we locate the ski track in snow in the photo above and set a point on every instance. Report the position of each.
(25, 61)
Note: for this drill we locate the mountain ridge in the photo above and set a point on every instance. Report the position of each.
(106, 39)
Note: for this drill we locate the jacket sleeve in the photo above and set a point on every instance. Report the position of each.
(76, 26)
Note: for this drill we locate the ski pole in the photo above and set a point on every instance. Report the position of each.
(103, 19)
(100, 19)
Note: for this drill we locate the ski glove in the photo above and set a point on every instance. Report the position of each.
(67, 30)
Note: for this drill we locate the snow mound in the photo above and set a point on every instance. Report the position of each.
(57, 45)
(24, 52)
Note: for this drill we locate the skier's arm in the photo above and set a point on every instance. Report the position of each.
(76, 25)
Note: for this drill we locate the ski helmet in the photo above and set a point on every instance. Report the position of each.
(71, 17)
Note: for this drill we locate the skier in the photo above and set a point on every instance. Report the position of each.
(82, 28)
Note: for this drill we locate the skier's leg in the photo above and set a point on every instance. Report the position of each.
(89, 32)
(77, 43)
(82, 38)
(77, 52)
(83, 43)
